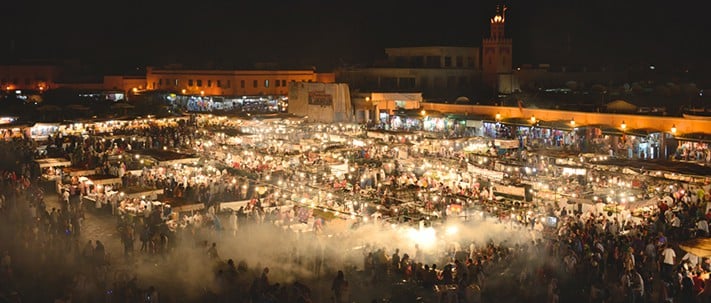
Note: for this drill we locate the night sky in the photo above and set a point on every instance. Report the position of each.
(328, 33)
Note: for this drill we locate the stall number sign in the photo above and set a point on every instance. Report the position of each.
(320, 98)
(510, 190)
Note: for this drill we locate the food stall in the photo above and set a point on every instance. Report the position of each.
(51, 168)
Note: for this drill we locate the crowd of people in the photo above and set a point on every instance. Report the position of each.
(587, 254)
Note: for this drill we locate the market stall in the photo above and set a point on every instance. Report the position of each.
(51, 168)
(163, 157)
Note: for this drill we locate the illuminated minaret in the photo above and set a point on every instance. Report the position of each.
(496, 52)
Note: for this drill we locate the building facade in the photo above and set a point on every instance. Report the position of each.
(321, 102)
(497, 50)
(230, 82)
(29, 77)
(434, 71)
(441, 72)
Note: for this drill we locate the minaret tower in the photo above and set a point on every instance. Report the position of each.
(496, 52)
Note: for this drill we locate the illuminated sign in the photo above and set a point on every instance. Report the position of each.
(320, 98)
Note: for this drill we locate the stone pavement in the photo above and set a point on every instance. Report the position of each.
(98, 225)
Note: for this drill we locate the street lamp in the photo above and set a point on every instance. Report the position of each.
(498, 117)
(423, 113)
(533, 119)
(673, 129)
(623, 126)
(572, 122)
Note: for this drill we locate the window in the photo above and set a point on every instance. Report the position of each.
(283, 82)
(447, 61)
(470, 61)
(266, 83)
(241, 83)
(460, 61)
(219, 83)
(199, 83)
(408, 83)
(209, 83)
(255, 83)
(190, 82)
(277, 83)
(388, 82)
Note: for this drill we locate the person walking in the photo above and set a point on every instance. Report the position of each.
(340, 288)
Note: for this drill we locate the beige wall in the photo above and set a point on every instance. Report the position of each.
(469, 55)
(339, 109)
(428, 80)
(581, 118)
(232, 82)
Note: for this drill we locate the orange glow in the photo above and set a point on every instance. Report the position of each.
(498, 19)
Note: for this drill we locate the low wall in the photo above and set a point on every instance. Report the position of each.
(662, 123)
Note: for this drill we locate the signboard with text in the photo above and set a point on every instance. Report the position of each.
(320, 98)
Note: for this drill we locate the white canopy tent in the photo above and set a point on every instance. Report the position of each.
(53, 162)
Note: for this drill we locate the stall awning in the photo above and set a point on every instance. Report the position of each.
(53, 162)
(188, 207)
(102, 179)
(700, 247)
(557, 125)
(695, 137)
(166, 157)
(642, 132)
(517, 122)
(680, 168)
(605, 129)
